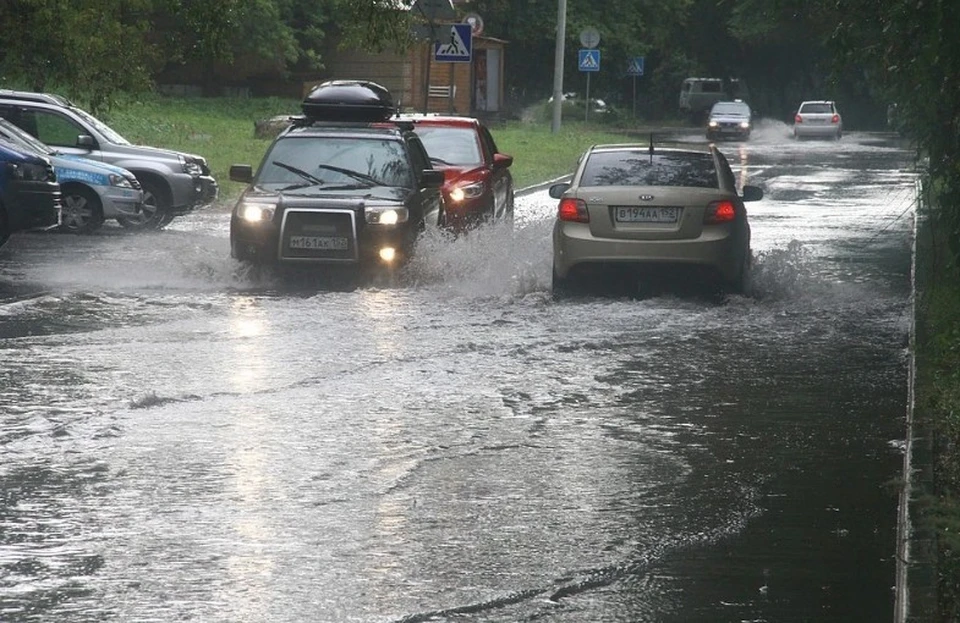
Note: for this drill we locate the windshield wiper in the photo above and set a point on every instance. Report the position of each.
(363, 177)
(310, 178)
(440, 161)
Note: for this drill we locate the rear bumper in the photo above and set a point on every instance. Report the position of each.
(721, 248)
(801, 130)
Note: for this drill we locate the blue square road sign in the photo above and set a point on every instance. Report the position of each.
(589, 59)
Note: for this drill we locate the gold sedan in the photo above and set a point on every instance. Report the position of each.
(657, 214)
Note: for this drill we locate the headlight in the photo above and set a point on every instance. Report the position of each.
(32, 172)
(467, 191)
(190, 167)
(386, 215)
(713, 123)
(256, 212)
(745, 124)
(119, 180)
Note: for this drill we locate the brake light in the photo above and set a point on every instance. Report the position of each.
(835, 119)
(798, 118)
(573, 210)
(720, 212)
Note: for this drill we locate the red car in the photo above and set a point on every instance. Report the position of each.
(477, 187)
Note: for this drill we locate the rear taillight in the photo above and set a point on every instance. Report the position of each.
(573, 210)
(720, 212)
(798, 119)
(835, 119)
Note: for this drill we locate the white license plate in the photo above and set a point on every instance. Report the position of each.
(636, 214)
(323, 243)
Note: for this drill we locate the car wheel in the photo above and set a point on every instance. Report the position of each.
(155, 208)
(82, 211)
(738, 285)
(562, 287)
(4, 228)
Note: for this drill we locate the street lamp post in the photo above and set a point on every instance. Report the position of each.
(558, 65)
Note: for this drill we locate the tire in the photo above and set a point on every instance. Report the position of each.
(739, 284)
(82, 211)
(154, 213)
(561, 287)
(4, 226)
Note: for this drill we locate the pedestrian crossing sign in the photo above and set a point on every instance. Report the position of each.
(635, 68)
(456, 47)
(589, 59)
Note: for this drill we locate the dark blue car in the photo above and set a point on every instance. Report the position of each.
(30, 196)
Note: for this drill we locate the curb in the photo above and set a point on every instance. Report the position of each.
(915, 598)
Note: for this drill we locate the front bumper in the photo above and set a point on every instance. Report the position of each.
(731, 131)
(34, 206)
(720, 248)
(192, 193)
(119, 201)
(319, 236)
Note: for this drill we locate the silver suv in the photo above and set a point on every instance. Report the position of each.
(174, 183)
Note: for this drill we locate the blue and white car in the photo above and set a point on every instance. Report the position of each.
(93, 192)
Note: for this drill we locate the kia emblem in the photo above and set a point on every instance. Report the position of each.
(646, 197)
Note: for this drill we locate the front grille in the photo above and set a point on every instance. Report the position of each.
(318, 234)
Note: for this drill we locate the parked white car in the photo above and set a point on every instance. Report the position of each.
(92, 191)
(818, 119)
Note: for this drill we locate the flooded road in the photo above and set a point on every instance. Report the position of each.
(182, 442)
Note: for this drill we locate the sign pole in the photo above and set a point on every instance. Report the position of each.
(586, 111)
(634, 96)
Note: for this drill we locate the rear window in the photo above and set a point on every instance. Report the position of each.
(816, 108)
(638, 168)
(450, 145)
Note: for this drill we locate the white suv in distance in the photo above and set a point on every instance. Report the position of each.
(818, 119)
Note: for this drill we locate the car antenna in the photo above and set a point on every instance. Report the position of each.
(651, 148)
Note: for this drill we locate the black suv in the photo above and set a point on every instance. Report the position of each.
(174, 183)
(343, 185)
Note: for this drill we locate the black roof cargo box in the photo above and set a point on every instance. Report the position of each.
(348, 100)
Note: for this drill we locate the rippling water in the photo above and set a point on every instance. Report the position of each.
(183, 441)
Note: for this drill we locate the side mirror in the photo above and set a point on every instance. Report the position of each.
(502, 161)
(431, 178)
(86, 141)
(241, 173)
(752, 193)
(557, 190)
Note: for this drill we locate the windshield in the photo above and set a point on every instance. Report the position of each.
(300, 161)
(638, 168)
(730, 108)
(450, 146)
(101, 127)
(15, 135)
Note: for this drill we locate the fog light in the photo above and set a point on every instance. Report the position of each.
(388, 254)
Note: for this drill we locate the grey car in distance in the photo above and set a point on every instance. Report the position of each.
(732, 120)
(669, 215)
